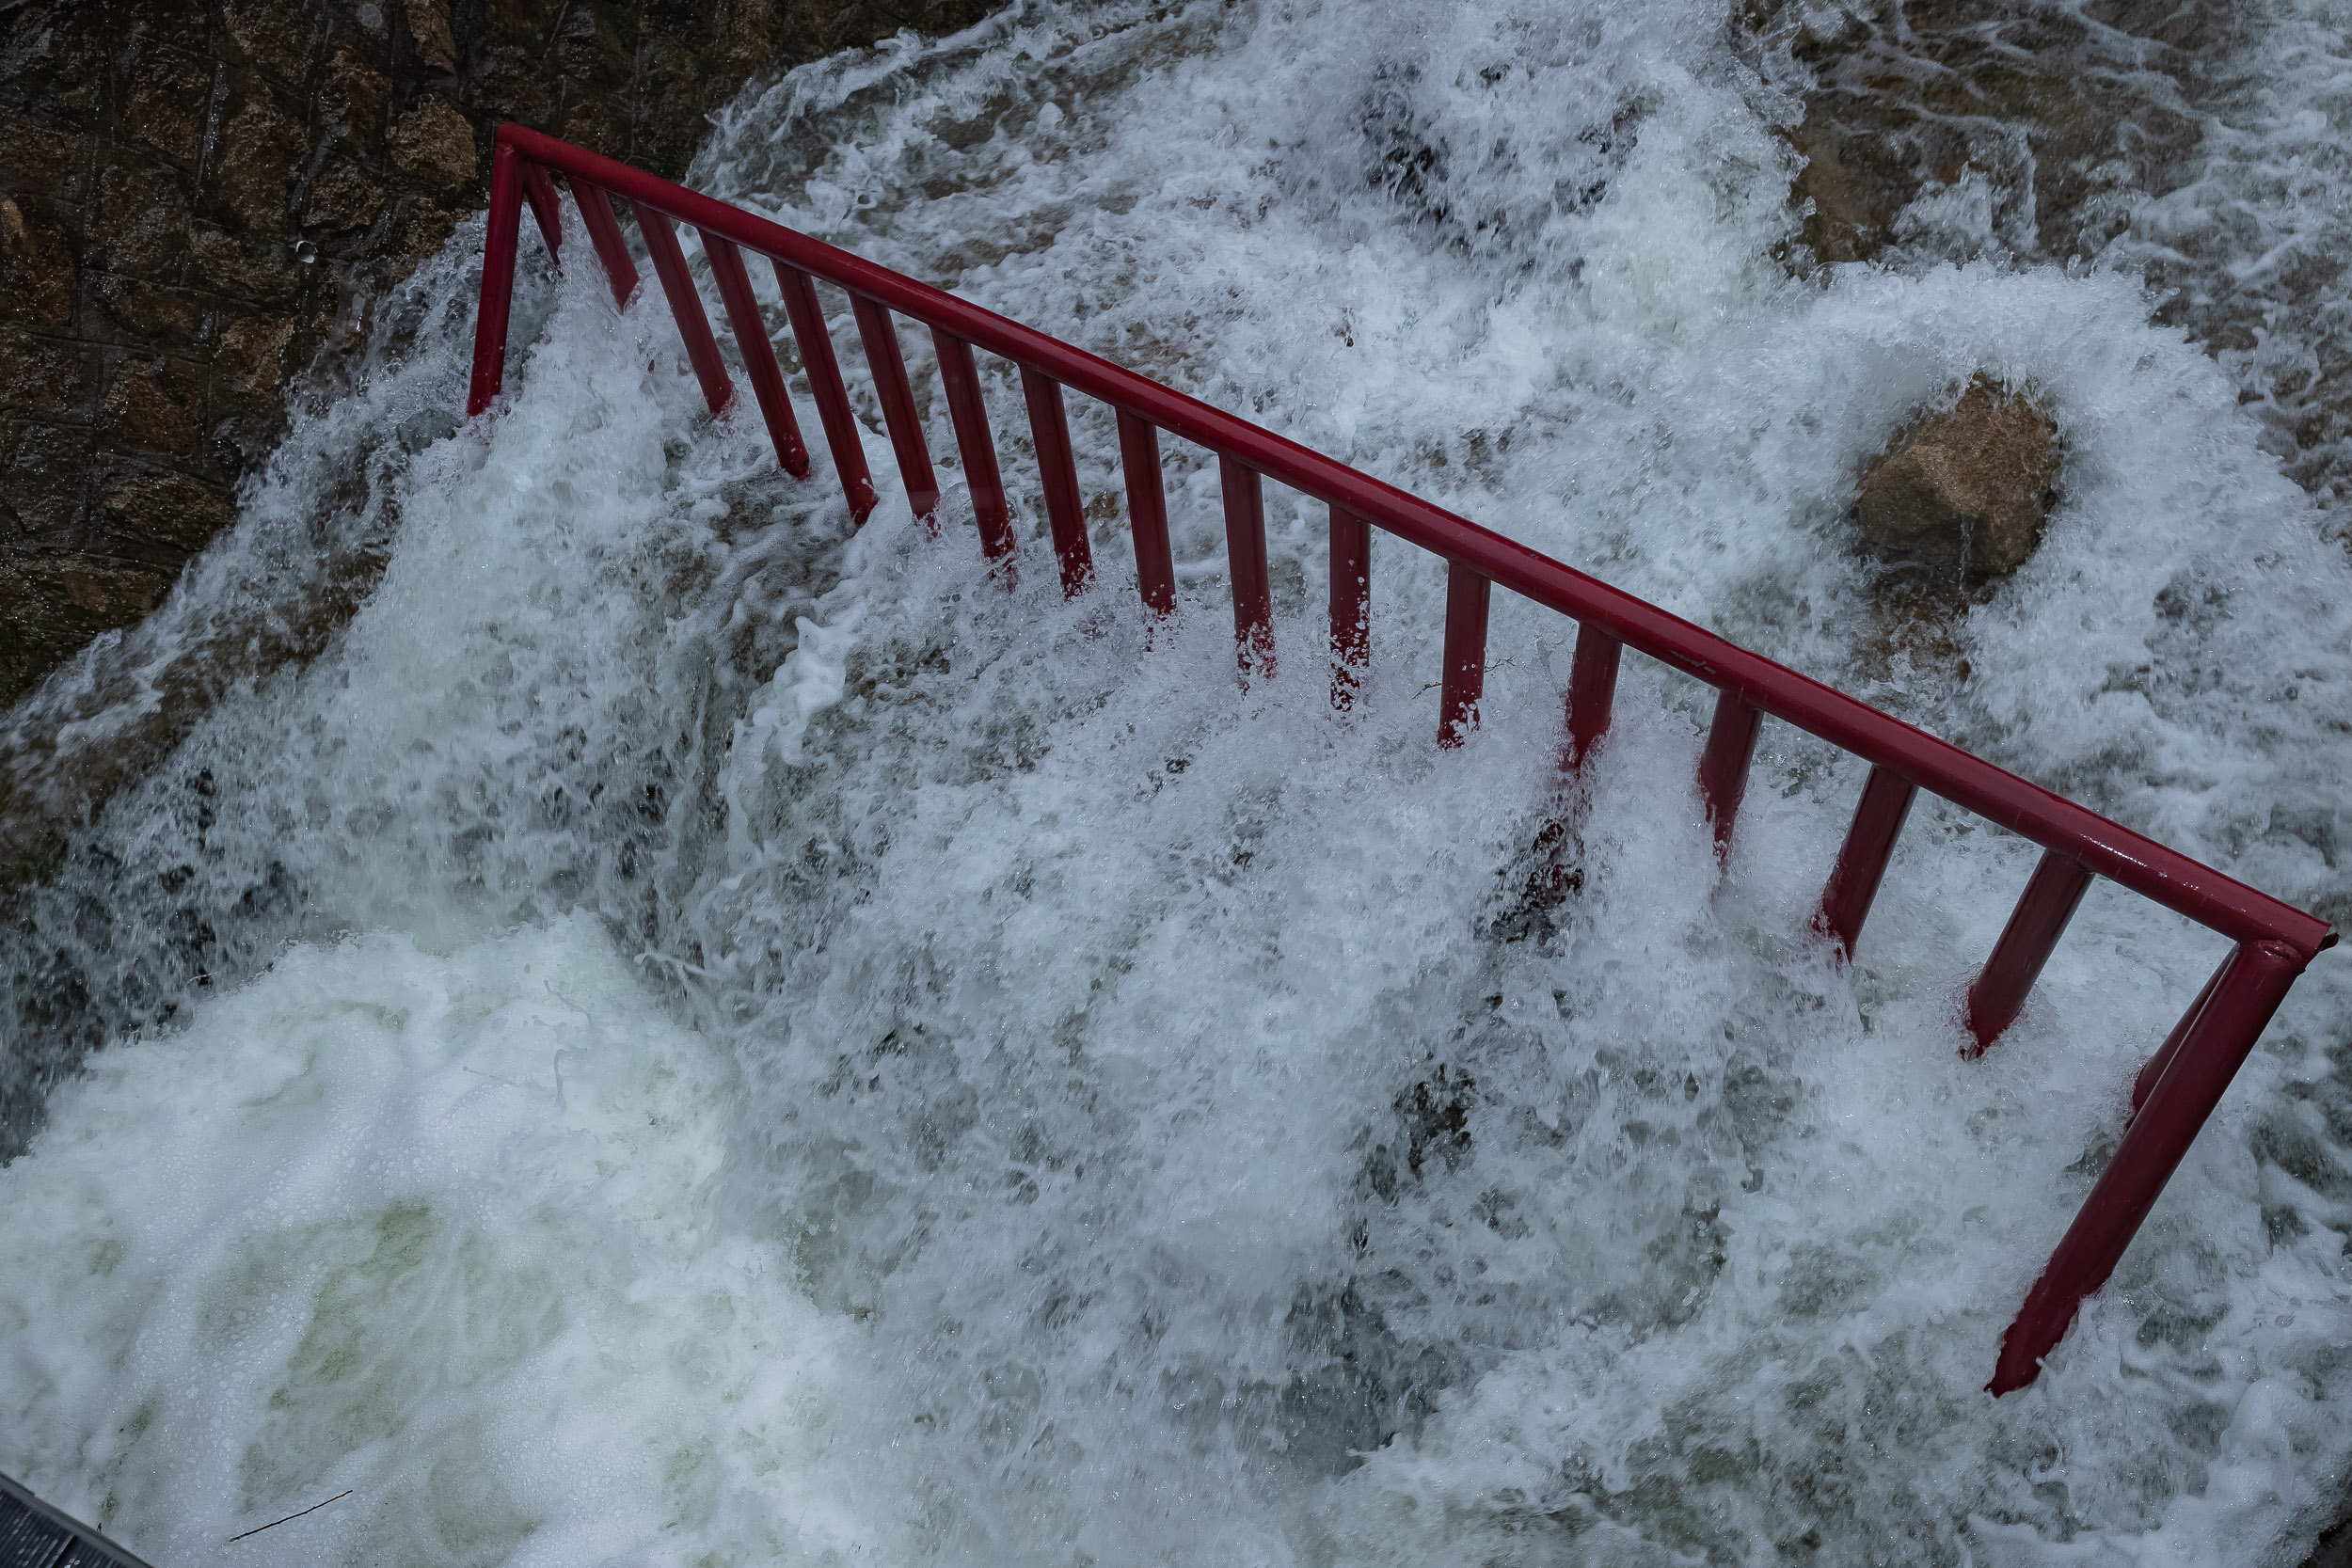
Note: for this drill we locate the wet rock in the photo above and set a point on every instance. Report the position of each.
(170, 510)
(37, 270)
(46, 481)
(154, 406)
(252, 355)
(274, 35)
(428, 26)
(42, 377)
(353, 99)
(36, 151)
(342, 198)
(259, 269)
(262, 150)
(434, 142)
(141, 224)
(48, 603)
(1966, 490)
(165, 101)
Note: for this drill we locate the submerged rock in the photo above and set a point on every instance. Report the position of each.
(1965, 491)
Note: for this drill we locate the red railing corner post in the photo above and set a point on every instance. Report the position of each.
(498, 277)
(2226, 1028)
(1463, 681)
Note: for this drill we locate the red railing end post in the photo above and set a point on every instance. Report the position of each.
(2254, 981)
(499, 242)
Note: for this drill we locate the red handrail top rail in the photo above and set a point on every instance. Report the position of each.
(2130, 860)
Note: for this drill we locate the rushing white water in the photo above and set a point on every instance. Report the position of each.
(692, 1034)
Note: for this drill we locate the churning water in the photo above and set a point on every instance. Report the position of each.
(692, 1034)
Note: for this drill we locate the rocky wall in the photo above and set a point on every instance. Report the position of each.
(196, 196)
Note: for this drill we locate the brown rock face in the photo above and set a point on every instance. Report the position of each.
(1965, 491)
(434, 142)
(198, 196)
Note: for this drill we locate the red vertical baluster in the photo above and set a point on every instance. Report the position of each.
(1723, 765)
(1862, 863)
(1351, 605)
(545, 208)
(824, 384)
(1057, 469)
(1467, 597)
(981, 475)
(2216, 1044)
(1592, 691)
(759, 356)
(604, 233)
(497, 280)
(686, 306)
(2034, 927)
(2151, 1072)
(881, 335)
(1147, 512)
(1244, 555)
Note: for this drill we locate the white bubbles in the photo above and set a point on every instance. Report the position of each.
(439, 1231)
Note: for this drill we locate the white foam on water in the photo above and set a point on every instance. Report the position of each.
(1163, 1127)
(437, 1234)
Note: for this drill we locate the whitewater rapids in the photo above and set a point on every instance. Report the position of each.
(695, 1033)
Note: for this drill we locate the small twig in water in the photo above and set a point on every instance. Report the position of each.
(292, 1517)
(1434, 685)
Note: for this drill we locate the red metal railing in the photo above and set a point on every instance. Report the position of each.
(2175, 1093)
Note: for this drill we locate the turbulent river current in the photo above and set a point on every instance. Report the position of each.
(685, 1032)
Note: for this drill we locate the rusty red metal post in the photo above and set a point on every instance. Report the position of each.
(1724, 765)
(604, 233)
(1351, 605)
(1244, 556)
(1592, 691)
(759, 356)
(545, 208)
(1464, 677)
(2036, 923)
(824, 384)
(686, 308)
(2216, 1044)
(1058, 471)
(981, 477)
(1147, 513)
(497, 280)
(2151, 1072)
(1854, 882)
(888, 364)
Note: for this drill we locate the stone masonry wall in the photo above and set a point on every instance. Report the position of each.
(198, 196)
